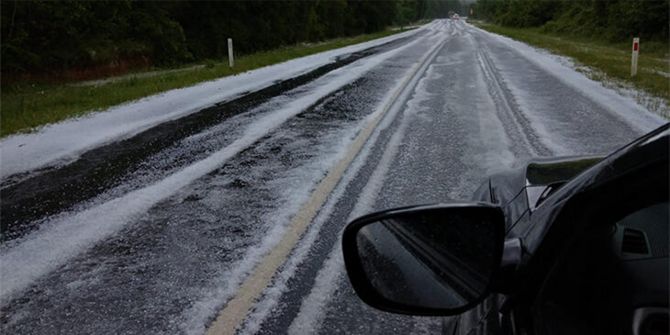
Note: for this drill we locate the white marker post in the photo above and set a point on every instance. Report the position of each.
(231, 61)
(636, 52)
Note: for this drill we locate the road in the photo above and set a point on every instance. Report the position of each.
(162, 231)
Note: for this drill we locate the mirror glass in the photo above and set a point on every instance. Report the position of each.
(441, 259)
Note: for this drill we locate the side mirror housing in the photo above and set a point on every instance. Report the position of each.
(425, 260)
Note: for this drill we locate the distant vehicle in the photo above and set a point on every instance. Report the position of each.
(563, 246)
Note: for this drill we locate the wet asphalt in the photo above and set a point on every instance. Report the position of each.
(175, 266)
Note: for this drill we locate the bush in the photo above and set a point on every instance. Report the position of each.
(614, 20)
(49, 37)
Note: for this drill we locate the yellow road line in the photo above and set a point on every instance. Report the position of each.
(237, 309)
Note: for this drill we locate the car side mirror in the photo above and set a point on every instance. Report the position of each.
(425, 260)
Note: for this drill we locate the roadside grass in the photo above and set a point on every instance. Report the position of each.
(611, 61)
(27, 105)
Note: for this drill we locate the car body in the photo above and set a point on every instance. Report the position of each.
(530, 217)
(586, 246)
(521, 191)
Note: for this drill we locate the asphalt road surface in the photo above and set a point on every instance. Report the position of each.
(162, 232)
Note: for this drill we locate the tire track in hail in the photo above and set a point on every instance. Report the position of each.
(516, 124)
(29, 199)
(296, 281)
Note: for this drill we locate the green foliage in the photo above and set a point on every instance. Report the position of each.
(45, 43)
(49, 36)
(55, 36)
(614, 20)
(441, 8)
(25, 106)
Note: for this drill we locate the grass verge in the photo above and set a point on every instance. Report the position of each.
(25, 106)
(609, 60)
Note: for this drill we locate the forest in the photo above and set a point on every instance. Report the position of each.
(612, 20)
(49, 37)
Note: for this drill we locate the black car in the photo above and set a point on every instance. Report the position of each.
(566, 246)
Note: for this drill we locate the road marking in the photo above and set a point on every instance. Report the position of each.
(236, 310)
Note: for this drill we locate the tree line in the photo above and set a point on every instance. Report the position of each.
(54, 36)
(613, 20)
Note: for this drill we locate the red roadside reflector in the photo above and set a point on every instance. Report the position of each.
(634, 56)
